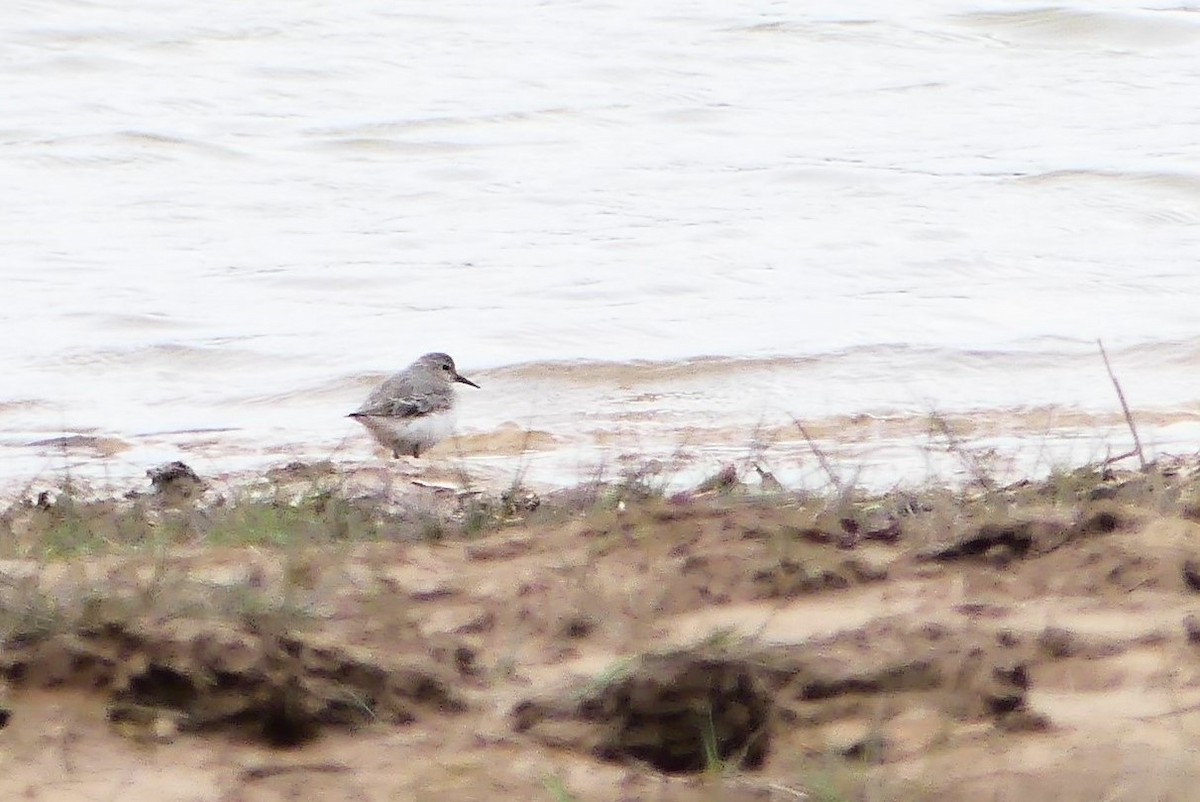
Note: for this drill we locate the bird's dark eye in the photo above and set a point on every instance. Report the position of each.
(445, 367)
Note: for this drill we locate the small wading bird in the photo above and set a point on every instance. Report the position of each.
(414, 409)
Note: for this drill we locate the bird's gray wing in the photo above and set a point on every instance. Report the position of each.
(397, 398)
(410, 407)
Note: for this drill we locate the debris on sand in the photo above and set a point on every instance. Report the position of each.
(175, 479)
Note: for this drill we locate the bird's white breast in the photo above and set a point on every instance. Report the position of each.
(425, 431)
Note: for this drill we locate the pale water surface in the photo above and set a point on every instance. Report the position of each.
(223, 221)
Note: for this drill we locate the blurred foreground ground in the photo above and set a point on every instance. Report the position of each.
(1036, 642)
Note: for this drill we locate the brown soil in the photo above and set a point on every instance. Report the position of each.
(1037, 643)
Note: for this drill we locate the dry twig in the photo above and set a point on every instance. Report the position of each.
(820, 454)
(1137, 442)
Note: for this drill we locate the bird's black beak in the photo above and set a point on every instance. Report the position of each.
(465, 380)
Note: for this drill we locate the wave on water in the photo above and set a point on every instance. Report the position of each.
(1149, 197)
(22, 404)
(127, 147)
(172, 355)
(634, 371)
(1178, 353)
(172, 143)
(897, 355)
(398, 128)
(1067, 27)
(1182, 183)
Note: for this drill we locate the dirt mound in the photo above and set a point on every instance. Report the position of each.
(882, 670)
(204, 676)
(1007, 534)
(691, 711)
(677, 712)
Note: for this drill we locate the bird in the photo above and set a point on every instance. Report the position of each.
(413, 410)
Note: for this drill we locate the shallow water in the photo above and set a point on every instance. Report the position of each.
(655, 232)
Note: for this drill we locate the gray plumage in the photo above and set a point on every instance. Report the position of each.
(413, 410)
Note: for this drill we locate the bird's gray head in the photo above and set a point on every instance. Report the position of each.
(442, 365)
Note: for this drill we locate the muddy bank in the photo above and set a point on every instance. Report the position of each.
(928, 644)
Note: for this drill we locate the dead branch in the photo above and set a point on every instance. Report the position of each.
(969, 462)
(1137, 441)
(820, 455)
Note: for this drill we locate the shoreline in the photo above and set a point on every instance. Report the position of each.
(879, 451)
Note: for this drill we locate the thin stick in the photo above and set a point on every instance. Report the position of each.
(1110, 460)
(812, 445)
(968, 460)
(1137, 441)
(275, 769)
